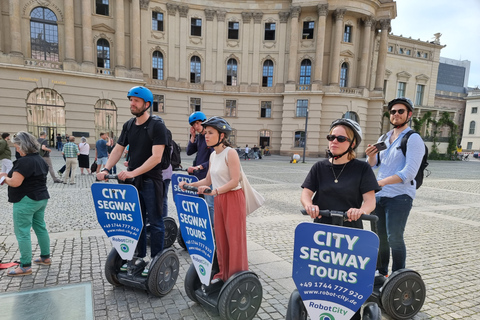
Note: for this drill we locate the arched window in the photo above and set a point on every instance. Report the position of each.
(344, 75)
(351, 115)
(232, 72)
(472, 128)
(45, 112)
(305, 71)
(157, 65)
(44, 34)
(103, 54)
(267, 78)
(195, 70)
(105, 117)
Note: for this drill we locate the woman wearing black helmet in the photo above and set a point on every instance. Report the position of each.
(341, 182)
(230, 210)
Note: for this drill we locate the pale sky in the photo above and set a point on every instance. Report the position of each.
(457, 21)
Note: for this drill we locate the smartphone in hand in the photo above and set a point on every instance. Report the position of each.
(380, 146)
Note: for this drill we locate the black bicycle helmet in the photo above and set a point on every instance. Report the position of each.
(405, 101)
(357, 131)
(221, 125)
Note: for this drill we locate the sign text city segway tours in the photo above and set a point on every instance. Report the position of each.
(333, 269)
(119, 214)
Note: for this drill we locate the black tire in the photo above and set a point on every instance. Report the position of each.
(296, 309)
(192, 283)
(163, 274)
(112, 267)
(403, 295)
(180, 240)
(241, 298)
(371, 311)
(171, 230)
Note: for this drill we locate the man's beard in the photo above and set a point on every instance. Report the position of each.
(140, 113)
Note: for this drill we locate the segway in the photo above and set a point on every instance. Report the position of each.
(333, 270)
(119, 213)
(241, 295)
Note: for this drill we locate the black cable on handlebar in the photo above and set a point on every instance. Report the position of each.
(115, 177)
(195, 189)
(333, 213)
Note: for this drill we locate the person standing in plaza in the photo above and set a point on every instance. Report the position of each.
(59, 142)
(144, 164)
(197, 145)
(45, 153)
(247, 150)
(5, 153)
(101, 150)
(84, 156)
(71, 152)
(27, 190)
(396, 176)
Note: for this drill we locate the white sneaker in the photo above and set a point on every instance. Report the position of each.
(146, 269)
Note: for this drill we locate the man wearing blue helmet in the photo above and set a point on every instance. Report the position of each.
(143, 165)
(197, 144)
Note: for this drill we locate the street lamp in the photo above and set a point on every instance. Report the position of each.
(305, 141)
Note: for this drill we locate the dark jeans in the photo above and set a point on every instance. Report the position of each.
(392, 218)
(148, 203)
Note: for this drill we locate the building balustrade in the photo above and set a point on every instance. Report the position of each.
(104, 71)
(44, 64)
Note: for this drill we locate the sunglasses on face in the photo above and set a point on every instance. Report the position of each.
(340, 139)
(401, 111)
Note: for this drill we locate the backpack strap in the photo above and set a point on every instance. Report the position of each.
(403, 143)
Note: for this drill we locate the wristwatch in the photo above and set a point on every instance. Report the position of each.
(105, 169)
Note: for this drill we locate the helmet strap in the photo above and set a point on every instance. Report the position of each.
(336, 157)
(141, 113)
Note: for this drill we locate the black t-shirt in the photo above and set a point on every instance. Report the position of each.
(140, 148)
(34, 169)
(44, 142)
(356, 179)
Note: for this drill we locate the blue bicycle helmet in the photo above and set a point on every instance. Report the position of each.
(142, 93)
(199, 115)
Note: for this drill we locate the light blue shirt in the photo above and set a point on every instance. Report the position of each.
(393, 162)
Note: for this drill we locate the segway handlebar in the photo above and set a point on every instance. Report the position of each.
(195, 189)
(115, 177)
(186, 170)
(342, 214)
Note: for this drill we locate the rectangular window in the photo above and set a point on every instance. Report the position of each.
(347, 35)
(302, 106)
(401, 89)
(390, 49)
(158, 105)
(469, 145)
(299, 139)
(196, 27)
(266, 109)
(233, 30)
(385, 88)
(195, 105)
(157, 21)
(269, 31)
(474, 109)
(230, 108)
(308, 29)
(419, 95)
(101, 7)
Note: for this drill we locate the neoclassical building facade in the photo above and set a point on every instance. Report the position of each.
(268, 67)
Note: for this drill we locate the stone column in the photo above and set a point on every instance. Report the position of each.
(245, 63)
(322, 10)
(282, 30)
(15, 29)
(184, 34)
(382, 54)
(221, 76)
(172, 40)
(87, 33)
(135, 35)
(120, 34)
(209, 62)
(337, 40)
(292, 58)
(367, 31)
(69, 31)
(257, 34)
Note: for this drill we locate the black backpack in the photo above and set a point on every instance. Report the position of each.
(423, 166)
(166, 159)
(176, 159)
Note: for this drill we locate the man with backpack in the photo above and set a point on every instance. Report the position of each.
(147, 139)
(45, 154)
(396, 176)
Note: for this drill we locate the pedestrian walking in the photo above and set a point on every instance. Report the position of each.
(71, 152)
(45, 153)
(84, 156)
(5, 153)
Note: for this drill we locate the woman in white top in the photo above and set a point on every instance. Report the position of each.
(230, 218)
(83, 157)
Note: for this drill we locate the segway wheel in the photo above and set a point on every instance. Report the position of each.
(296, 309)
(180, 240)
(163, 274)
(371, 311)
(171, 230)
(403, 295)
(112, 267)
(241, 298)
(192, 283)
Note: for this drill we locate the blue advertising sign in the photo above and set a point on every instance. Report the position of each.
(177, 178)
(333, 268)
(197, 233)
(119, 214)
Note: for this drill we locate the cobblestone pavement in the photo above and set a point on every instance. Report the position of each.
(442, 241)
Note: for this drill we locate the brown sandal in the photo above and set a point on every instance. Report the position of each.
(43, 261)
(20, 271)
